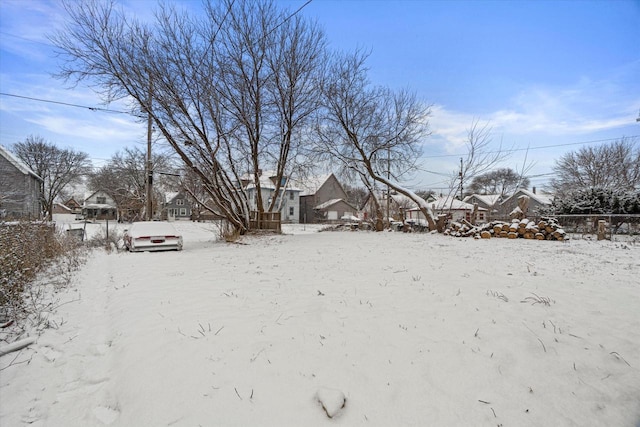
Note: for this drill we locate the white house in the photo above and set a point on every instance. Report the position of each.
(288, 198)
(99, 205)
(455, 209)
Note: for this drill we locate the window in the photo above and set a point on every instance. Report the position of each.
(180, 202)
(291, 195)
(101, 200)
(183, 212)
(291, 210)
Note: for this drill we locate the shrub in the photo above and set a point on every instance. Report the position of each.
(26, 250)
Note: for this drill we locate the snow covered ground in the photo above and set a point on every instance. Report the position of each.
(387, 329)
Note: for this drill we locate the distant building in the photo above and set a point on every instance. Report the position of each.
(491, 202)
(456, 210)
(537, 201)
(178, 206)
(288, 197)
(20, 188)
(323, 199)
(99, 205)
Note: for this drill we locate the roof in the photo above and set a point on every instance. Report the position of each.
(87, 196)
(170, 195)
(19, 164)
(447, 203)
(61, 206)
(332, 202)
(544, 199)
(311, 185)
(487, 199)
(328, 203)
(98, 206)
(267, 184)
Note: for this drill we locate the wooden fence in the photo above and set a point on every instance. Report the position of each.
(265, 221)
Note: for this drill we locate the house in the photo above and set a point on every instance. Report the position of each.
(20, 188)
(177, 206)
(99, 205)
(395, 206)
(322, 199)
(74, 206)
(491, 202)
(537, 201)
(456, 210)
(288, 198)
(61, 213)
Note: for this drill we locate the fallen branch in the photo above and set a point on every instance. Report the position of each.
(543, 347)
(615, 353)
(17, 345)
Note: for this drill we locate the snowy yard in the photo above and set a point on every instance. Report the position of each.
(413, 329)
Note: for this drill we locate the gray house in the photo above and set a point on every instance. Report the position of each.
(490, 202)
(20, 188)
(537, 201)
(178, 206)
(323, 199)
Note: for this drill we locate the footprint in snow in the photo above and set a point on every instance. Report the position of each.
(332, 401)
(105, 414)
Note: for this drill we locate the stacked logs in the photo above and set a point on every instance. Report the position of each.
(545, 229)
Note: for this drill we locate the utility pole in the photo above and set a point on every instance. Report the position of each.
(461, 177)
(388, 191)
(149, 171)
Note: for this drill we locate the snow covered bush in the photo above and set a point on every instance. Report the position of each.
(28, 249)
(597, 200)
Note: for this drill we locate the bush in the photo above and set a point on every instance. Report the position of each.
(26, 250)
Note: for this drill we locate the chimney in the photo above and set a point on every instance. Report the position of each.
(533, 189)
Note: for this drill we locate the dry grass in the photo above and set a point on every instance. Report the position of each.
(535, 299)
(28, 250)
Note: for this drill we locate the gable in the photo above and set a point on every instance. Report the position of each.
(17, 163)
(331, 189)
(542, 199)
(99, 198)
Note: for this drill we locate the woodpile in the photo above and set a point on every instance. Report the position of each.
(545, 229)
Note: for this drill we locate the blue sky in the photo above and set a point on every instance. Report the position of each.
(541, 73)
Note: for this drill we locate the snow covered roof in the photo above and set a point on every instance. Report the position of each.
(61, 206)
(402, 200)
(19, 164)
(170, 195)
(544, 199)
(267, 184)
(487, 199)
(312, 184)
(98, 206)
(448, 203)
(328, 203)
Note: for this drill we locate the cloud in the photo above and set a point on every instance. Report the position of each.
(576, 111)
(98, 129)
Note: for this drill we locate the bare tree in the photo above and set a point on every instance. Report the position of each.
(480, 157)
(502, 181)
(373, 131)
(615, 165)
(226, 89)
(123, 177)
(57, 167)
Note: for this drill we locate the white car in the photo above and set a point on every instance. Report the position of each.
(152, 236)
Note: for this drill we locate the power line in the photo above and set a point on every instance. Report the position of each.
(513, 150)
(107, 110)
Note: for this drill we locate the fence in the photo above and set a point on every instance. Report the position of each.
(587, 225)
(265, 221)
